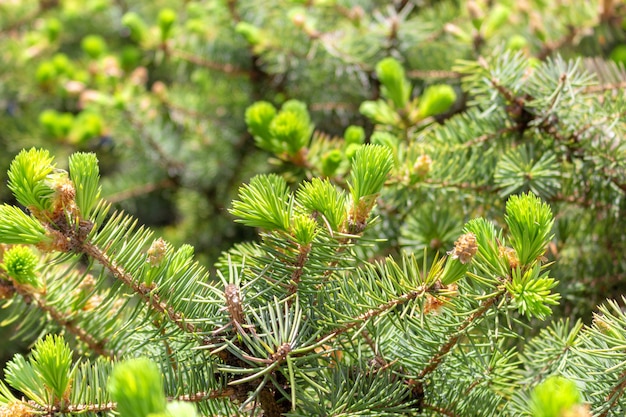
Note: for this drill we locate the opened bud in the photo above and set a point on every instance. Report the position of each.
(422, 165)
(465, 248)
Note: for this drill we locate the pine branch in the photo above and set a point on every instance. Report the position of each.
(615, 395)
(439, 410)
(69, 324)
(145, 292)
(551, 46)
(25, 20)
(227, 69)
(140, 191)
(296, 275)
(227, 392)
(454, 338)
(97, 346)
(421, 74)
(170, 165)
(606, 87)
(76, 408)
(419, 292)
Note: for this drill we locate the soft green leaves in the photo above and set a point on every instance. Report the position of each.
(370, 166)
(94, 46)
(555, 397)
(530, 222)
(289, 132)
(321, 198)
(136, 25)
(304, 229)
(46, 377)
(284, 133)
(436, 99)
(137, 387)
(252, 33)
(380, 112)
(27, 178)
(21, 375)
(465, 249)
(264, 202)
(395, 86)
(166, 20)
(52, 360)
(258, 118)
(398, 110)
(267, 203)
(331, 161)
(45, 191)
(20, 263)
(85, 174)
(453, 271)
(496, 18)
(531, 292)
(17, 227)
(354, 134)
(385, 139)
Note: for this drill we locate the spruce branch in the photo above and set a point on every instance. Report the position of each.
(296, 275)
(615, 395)
(454, 338)
(433, 74)
(171, 166)
(16, 227)
(68, 323)
(144, 292)
(95, 345)
(200, 396)
(550, 47)
(227, 69)
(86, 408)
(140, 190)
(439, 410)
(17, 24)
(406, 292)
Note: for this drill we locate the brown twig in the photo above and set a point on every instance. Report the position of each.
(227, 69)
(402, 299)
(296, 274)
(97, 346)
(433, 74)
(171, 166)
(605, 87)
(21, 22)
(556, 45)
(616, 393)
(140, 190)
(205, 395)
(440, 410)
(93, 408)
(453, 340)
(146, 294)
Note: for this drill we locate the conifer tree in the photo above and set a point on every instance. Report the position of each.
(336, 208)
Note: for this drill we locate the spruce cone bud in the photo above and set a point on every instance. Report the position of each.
(465, 248)
(422, 165)
(157, 251)
(233, 303)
